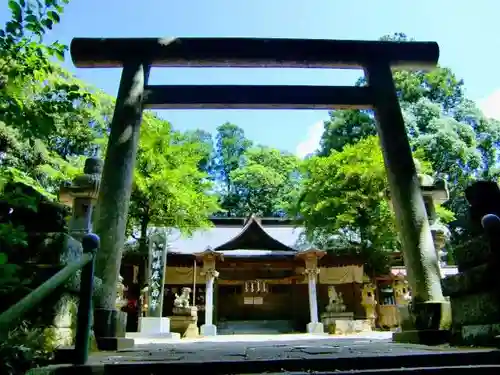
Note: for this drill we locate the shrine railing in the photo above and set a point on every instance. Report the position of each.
(11, 317)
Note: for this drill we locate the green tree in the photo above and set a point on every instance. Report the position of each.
(344, 207)
(48, 119)
(231, 144)
(206, 142)
(346, 127)
(169, 189)
(265, 182)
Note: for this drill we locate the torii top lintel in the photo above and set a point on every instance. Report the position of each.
(252, 53)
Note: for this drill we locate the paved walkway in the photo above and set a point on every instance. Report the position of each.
(259, 338)
(264, 347)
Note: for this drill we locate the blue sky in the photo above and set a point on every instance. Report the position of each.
(468, 40)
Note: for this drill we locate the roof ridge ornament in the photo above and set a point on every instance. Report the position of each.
(252, 217)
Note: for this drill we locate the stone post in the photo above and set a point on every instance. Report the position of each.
(114, 198)
(310, 258)
(209, 258)
(155, 323)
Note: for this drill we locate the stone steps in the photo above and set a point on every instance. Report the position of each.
(452, 362)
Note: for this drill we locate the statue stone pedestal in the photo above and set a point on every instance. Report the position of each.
(338, 323)
(336, 319)
(153, 327)
(185, 321)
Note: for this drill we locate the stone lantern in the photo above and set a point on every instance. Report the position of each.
(81, 195)
(368, 301)
(435, 191)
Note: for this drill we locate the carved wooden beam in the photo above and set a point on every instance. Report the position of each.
(252, 53)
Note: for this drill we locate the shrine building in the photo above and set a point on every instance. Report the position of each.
(258, 274)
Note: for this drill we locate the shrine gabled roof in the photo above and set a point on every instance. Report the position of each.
(254, 237)
(282, 238)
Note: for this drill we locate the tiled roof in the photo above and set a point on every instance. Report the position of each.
(216, 236)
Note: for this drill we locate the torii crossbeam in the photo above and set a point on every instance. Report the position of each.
(376, 58)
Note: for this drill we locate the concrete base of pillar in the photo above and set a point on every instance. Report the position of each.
(208, 330)
(316, 328)
(154, 326)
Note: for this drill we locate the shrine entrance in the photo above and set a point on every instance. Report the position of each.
(138, 55)
(256, 299)
(256, 307)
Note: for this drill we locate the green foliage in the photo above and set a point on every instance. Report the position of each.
(231, 144)
(445, 216)
(265, 182)
(26, 347)
(9, 273)
(444, 128)
(48, 119)
(343, 203)
(169, 189)
(206, 143)
(346, 128)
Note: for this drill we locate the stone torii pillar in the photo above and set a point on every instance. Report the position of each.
(434, 191)
(209, 258)
(310, 258)
(114, 198)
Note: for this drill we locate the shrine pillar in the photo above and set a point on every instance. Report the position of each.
(209, 258)
(310, 258)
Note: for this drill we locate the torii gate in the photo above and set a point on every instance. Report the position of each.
(377, 58)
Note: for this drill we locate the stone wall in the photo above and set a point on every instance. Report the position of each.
(474, 291)
(47, 248)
